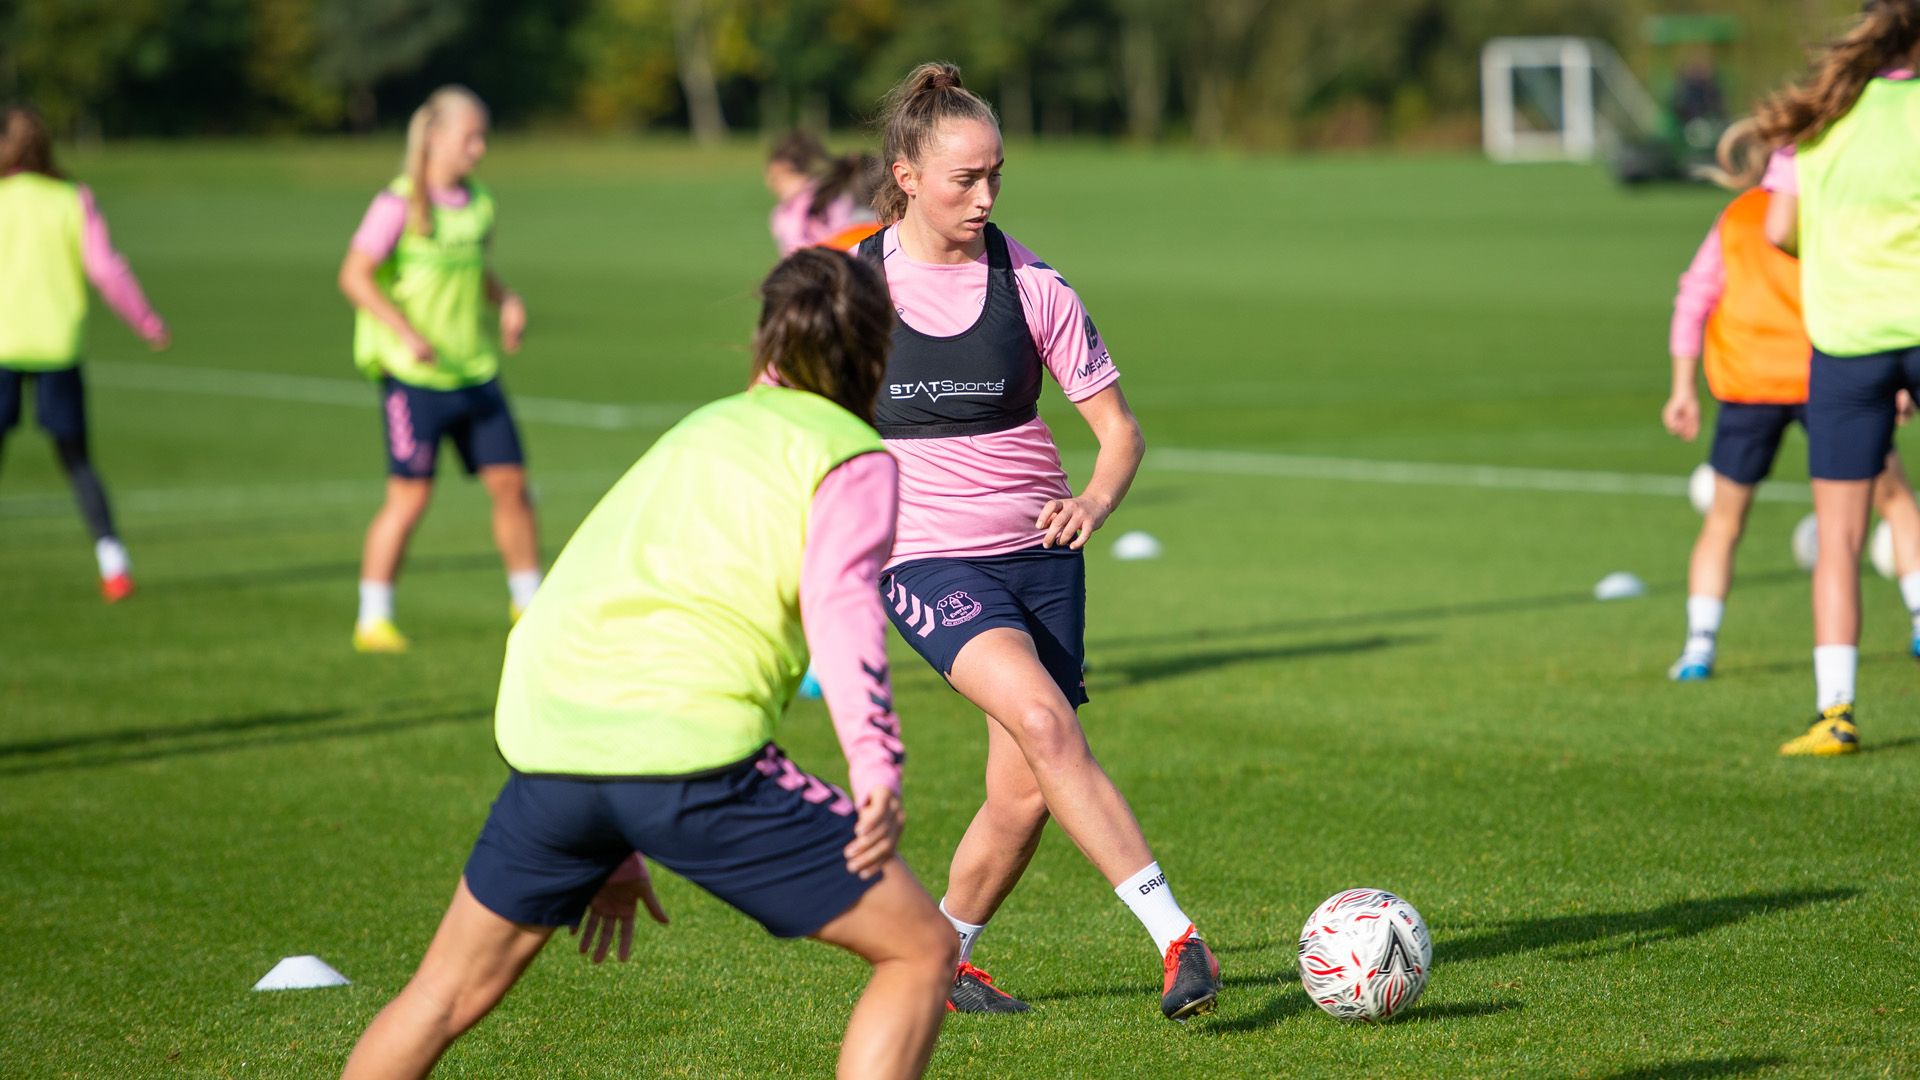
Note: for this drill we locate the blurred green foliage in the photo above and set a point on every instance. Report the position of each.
(1245, 72)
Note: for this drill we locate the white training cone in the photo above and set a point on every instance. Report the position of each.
(300, 973)
(1619, 585)
(1136, 545)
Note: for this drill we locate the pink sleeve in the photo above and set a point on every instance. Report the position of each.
(1700, 288)
(789, 222)
(380, 229)
(109, 272)
(849, 535)
(1783, 172)
(1070, 345)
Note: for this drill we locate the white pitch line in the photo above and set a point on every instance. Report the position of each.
(354, 393)
(1433, 474)
(245, 499)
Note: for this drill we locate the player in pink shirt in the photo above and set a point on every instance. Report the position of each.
(987, 581)
(813, 193)
(53, 241)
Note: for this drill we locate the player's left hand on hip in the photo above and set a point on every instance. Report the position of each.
(1070, 522)
(611, 912)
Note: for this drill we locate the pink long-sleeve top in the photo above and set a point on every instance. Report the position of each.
(849, 533)
(1701, 287)
(107, 269)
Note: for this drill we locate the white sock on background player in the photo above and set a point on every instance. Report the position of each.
(111, 555)
(1150, 898)
(376, 602)
(969, 932)
(521, 585)
(1910, 592)
(1703, 625)
(1834, 667)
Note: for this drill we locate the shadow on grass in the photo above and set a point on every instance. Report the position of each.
(1402, 616)
(1150, 669)
(1700, 1068)
(1622, 930)
(1871, 747)
(1292, 1001)
(132, 745)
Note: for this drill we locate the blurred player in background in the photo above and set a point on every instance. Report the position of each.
(813, 193)
(418, 273)
(1739, 303)
(987, 580)
(1848, 202)
(53, 241)
(642, 690)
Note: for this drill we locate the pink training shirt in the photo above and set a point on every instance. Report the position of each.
(386, 219)
(110, 274)
(793, 228)
(849, 532)
(978, 495)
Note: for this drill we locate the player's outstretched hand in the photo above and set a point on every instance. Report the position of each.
(876, 833)
(513, 321)
(1681, 415)
(1071, 521)
(612, 910)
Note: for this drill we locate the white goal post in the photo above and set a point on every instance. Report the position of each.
(1559, 99)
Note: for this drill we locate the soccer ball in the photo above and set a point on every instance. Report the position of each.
(1364, 955)
(1806, 542)
(1700, 487)
(1880, 551)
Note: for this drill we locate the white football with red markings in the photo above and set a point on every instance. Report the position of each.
(1365, 955)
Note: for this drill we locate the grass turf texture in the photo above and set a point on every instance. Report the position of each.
(1323, 683)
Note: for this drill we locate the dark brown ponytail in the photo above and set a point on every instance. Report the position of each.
(825, 327)
(855, 175)
(25, 145)
(1882, 37)
(910, 114)
(799, 151)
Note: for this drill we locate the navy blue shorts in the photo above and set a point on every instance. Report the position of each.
(59, 401)
(1850, 411)
(1746, 438)
(761, 835)
(475, 418)
(939, 605)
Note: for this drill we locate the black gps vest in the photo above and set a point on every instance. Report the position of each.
(981, 380)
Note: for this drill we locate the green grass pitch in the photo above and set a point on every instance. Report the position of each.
(1359, 661)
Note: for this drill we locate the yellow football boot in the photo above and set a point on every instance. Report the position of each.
(379, 636)
(1832, 734)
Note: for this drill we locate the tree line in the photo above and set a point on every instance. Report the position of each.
(1261, 73)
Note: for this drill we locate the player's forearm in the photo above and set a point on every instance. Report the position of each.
(1122, 447)
(1685, 370)
(362, 292)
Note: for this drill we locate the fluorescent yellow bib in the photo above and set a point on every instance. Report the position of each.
(43, 286)
(439, 283)
(1860, 225)
(667, 638)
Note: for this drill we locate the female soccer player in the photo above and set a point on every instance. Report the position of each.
(812, 199)
(642, 688)
(987, 581)
(1740, 297)
(52, 242)
(1855, 221)
(417, 273)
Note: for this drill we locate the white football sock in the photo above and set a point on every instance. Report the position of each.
(969, 932)
(111, 554)
(521, 585)
(376, 601)
(1833, 671)
(1910, 592)
(1150, 898)
(1703, 623)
